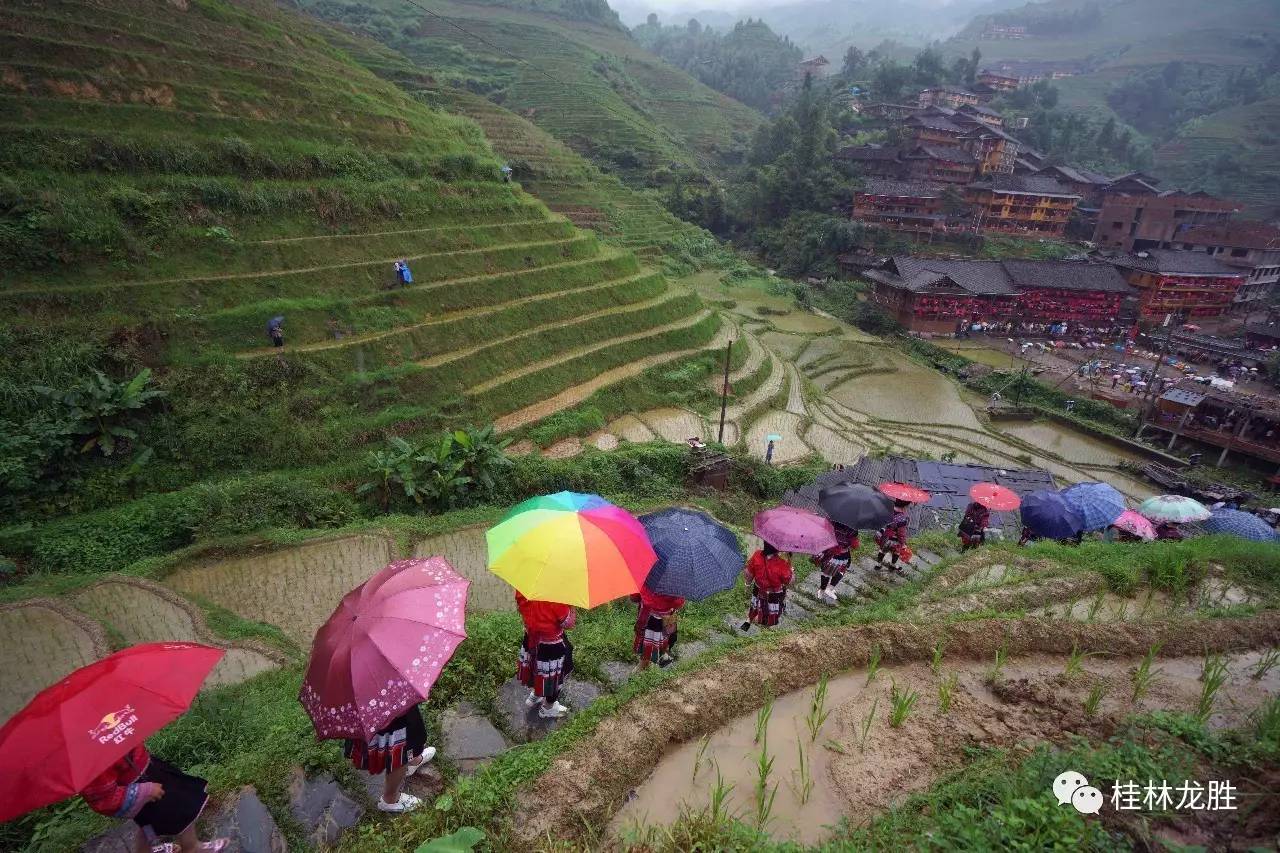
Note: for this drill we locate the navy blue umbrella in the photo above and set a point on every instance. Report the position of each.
(1050, 516)
(275, 323)
(697, 555)
(1246, 525)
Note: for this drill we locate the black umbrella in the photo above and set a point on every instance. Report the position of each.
(856, 506)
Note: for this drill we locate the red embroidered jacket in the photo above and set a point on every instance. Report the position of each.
(116, 791)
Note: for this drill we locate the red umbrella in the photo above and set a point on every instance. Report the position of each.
(904, 492)
(70, 732)
(995, 497)
(384, 647)
(789, 529)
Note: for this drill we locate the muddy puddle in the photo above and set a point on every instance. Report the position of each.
(858, 764)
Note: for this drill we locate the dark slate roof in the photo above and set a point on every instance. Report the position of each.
(917, 189)
(936, 123)
(948, 88)
(868, 152)
(982, 278)
(1183, 396)
(1263, 330)
(1078, 175)
(941, 152)
(1067, 275)
(1175, 262)
(981, 110)
(1028, 184)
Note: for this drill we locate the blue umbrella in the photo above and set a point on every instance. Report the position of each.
(275, 322)
(697, 555)
(1246, 525)
(1098, 504)
(1050, 516)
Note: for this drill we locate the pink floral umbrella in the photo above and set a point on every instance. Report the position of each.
(790, 529)
(1131, 522)
(384, 647)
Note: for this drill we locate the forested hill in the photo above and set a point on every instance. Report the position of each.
(748, 61)
(588, 84)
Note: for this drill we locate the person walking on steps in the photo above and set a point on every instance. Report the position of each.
(973, 527)
(275, 331)
(769, 574)
(398, 750)
(892, 538)
(834, 562)
(545, 658)
(158, 797)
(655, 634)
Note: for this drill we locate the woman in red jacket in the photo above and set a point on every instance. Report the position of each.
(656, 627)
(834, 562)
(770, 574)
(892, 538)
(160, 798)
(546, 656)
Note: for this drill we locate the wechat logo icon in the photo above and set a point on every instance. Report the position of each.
(1071, 787)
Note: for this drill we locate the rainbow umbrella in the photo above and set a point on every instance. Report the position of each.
(570, 548)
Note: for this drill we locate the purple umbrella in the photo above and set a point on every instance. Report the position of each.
(789, 529)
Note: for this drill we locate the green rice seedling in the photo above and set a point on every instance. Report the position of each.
(866, 725)
(1094, 699)
(720, 792)
(802, 781)
(1212, 676)
(1265, 664)
(762, 720)
(831, 746)
(1146, 603)
(818, 710)
(901, 703)
(1266, 723)
(703, 743)
(1144, 676)
(873, 664)
(1002, 655)
(946, 691)
(936, 664)
(1094, 606)
(764, 793)
(1075, 661)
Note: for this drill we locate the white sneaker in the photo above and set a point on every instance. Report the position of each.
(552, 712)
(406, 803)
(531, 699)
(427, 754)
(830, 595)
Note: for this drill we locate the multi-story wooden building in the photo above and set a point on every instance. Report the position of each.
(947, 96)
(997, 81)
(910, 206)
(1134, 216)
(933, 128)
(995, 150)
(1253, 247)
(937, 296)
(1021, 204)
(875, 161)
(1087, 184)
(946, 164)
(1189, 285)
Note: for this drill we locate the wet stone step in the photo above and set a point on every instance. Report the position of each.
(617, 672)
(929, 558)
(470, 740)
(246, 822)
(523, 722)
(690, 650)
(322, 808)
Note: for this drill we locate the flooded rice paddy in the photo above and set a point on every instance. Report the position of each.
(1072, 445)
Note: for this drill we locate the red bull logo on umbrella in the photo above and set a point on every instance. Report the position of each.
(115, 726)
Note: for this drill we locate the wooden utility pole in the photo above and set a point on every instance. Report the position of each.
(724, 391)
(1155, 376)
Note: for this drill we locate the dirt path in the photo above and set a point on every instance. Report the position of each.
(588, 784)
(367, 234)
(575, 395)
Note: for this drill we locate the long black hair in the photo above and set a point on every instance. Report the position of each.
(769, 550)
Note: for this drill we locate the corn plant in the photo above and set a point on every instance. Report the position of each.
(703, 743)
(1094, 699)
(946, 691)
(866, 725)
(762, 720)
(1265, 664)
(818, 711)
(901, 702)
(1144, 676)
(802, 778)
(764, 794)
(1212, 676)
(873, 664)
(936, 664)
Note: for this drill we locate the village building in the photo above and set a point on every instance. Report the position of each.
(983, 114)
(875, 161)
(818, 66)
(1004, 31)
(1026, 205)
(1250, 246)
(1222, 417)
(1087, 184)
(947, 164)
(947, 96)
(1188, 285)
(928, 128)
(995, 150)
(936, 296)
(1136, 216)
(910, 206)
(886, 110)
(997, 81)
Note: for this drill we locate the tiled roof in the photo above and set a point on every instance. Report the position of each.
(981, 109)
(984, 278)
(1174, 262)
(935, 123)
(1067, 275)
(868, 152)
(1026, 184)
(1078, 175)
(917, 189)
(941, 152)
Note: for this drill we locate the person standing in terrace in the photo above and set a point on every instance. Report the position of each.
(892, 538)
(834, 562)
(655, 634)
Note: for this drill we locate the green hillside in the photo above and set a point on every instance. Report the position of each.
(177, 173)
(1235, 152)
(588, 84)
